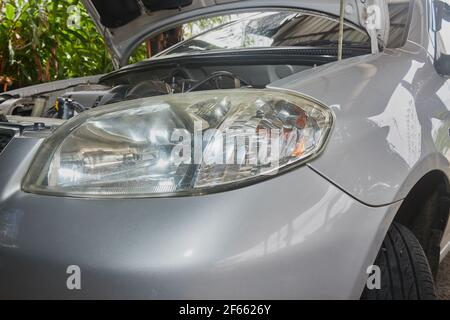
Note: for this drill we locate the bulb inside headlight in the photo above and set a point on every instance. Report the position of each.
(179, 144)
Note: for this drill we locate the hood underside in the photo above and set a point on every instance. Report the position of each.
(126, 23)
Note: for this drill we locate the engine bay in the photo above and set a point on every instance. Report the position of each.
(152, 78)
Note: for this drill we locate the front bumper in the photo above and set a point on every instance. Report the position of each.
(292, 237)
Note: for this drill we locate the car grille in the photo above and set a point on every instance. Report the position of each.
(5, 137)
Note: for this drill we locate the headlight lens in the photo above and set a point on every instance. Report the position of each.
(179, 144)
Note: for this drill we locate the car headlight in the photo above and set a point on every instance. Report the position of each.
(180, 144)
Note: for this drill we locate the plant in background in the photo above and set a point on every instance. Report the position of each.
(37, 44)
(44, 40)
(188, 30)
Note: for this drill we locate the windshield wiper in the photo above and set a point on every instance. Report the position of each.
(332, 43)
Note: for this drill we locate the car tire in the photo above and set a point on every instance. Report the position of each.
(405, 272)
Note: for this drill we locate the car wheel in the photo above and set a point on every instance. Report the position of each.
(405, 273)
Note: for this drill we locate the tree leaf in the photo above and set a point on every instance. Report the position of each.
(10, 11)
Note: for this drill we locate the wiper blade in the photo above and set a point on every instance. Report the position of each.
(334, 43)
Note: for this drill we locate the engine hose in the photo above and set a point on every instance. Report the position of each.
(238, 80)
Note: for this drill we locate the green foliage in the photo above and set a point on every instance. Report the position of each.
(194, 28)
(139, 54)
(40, 41)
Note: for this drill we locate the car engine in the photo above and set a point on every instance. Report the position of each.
(137, 82)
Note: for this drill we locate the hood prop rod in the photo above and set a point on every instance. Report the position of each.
(341, 30)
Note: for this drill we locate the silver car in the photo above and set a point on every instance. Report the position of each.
(296, 150)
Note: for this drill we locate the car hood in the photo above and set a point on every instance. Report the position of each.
(125, 24)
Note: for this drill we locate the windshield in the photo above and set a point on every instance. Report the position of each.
(272, 29)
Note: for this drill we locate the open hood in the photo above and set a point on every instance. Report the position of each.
(126, 23)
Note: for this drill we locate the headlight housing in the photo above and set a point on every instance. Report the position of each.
(182, 144)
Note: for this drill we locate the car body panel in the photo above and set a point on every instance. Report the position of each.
(398, 143)
(272, 240)
(124, 39)
(392, 120)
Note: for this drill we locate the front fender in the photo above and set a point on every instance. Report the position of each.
(392, 122)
